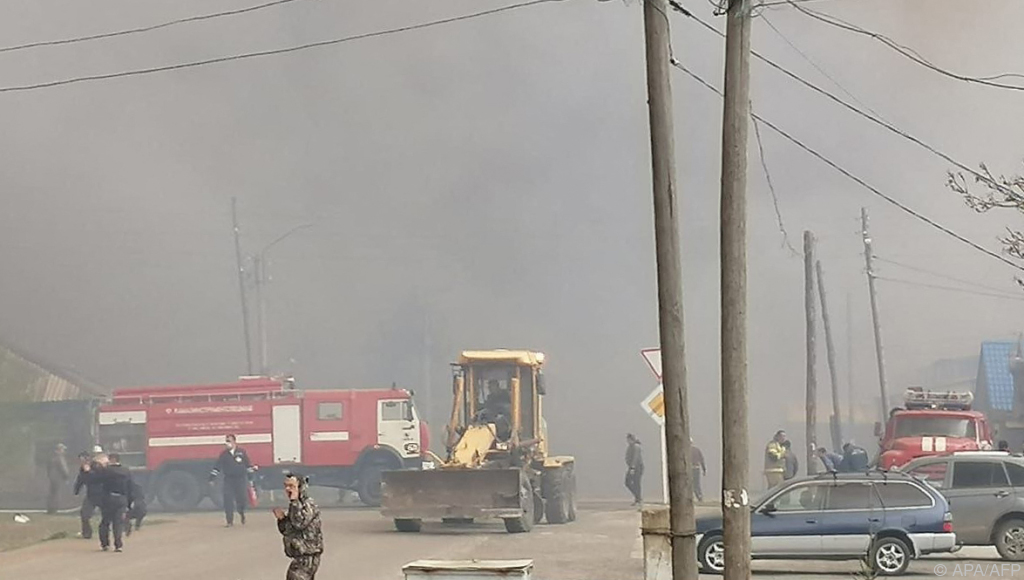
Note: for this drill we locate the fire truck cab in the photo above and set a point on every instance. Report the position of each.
(932, 423)
(171, 436)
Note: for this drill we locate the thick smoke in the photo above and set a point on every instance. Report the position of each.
(482, 184)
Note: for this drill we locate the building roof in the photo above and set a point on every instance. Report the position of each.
(26, 378)
(994, 375)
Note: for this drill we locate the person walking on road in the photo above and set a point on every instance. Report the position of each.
(829, 459)
(58, 474)
(117, 499)
(137, 512)
(634, 468)
(775, 459)
(235, 467)
(697, 469)
(300, 529)
(89, 477)
(792, 463)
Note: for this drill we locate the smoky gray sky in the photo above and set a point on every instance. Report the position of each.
(481, 184)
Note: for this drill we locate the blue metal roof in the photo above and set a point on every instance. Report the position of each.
(995, 361)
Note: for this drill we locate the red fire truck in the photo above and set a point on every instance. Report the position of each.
(932, 423)
(170, 436)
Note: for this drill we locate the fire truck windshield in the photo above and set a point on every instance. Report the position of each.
(909, 426)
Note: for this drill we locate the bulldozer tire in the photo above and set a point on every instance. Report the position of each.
(523, 523)
(457, 521)
(369, 488)
(557, 506)
(408, 526)
(572, 496)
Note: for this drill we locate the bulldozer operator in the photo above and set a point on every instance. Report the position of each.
(497, 409)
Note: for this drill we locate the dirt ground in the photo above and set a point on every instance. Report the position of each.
(360, 545)
(40, 528)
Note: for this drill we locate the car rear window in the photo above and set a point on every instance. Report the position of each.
(1016, 474)
(849, 496)
(978, 474)
(896, 494)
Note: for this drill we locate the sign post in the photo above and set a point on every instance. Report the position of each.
(654, 405)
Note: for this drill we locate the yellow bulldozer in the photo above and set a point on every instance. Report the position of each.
(497, 463)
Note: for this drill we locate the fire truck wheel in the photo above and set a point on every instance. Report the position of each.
(216, 493)
(178, 491)
(369, 485)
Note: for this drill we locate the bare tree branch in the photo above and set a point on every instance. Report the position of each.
(1000, 192)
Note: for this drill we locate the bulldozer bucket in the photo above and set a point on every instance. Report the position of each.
(453, 493)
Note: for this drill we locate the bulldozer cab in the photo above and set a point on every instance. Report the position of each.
(501, 389)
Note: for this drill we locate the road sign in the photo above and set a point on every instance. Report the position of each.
(653, 358)
(654, 404)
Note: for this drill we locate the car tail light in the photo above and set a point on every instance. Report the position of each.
(947, 523)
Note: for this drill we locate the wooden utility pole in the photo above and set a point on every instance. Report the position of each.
(810, 417)
(670, 290)
(241, 286)
(836, 425)
(735, 435)
(868, 261)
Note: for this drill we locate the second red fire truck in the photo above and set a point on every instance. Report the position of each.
(932, 423)
(170, 436)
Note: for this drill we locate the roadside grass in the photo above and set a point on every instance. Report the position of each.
(44, 528)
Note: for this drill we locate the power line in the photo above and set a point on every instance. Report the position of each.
(941, 275)
(873, 118)
(145, 28)
(817, 67)
(249, 55)
(781, 2)
(771, 189)
(906, 51)
(950, 288)
(856, 179)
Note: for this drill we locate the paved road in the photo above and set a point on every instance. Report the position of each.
(602, 544)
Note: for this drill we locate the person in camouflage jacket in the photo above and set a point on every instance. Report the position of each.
(300, 528)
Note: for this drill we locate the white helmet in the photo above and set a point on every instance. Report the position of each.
(97, 449)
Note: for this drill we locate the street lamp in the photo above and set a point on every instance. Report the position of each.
(259, 270)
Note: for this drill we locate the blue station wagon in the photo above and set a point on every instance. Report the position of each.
(888, 518)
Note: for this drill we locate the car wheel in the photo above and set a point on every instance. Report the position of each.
(711, 554)
(1009, 538)
(890, 556)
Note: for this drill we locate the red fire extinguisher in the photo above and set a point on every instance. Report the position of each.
(253, 500)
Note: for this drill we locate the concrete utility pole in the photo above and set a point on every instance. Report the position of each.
(241, 286)
(670, 290)
(849, 361)
(836, 425)
(868, 261)
(259, 272)
(260, 269)
(735, 435)
(811, 412)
